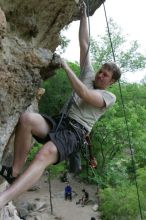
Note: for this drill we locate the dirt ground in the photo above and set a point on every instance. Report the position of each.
(39, 198)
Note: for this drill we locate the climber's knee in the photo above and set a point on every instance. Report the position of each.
(48, 154)
(26, 119)
(35, 123)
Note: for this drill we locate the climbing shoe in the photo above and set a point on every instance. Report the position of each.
(6, 172)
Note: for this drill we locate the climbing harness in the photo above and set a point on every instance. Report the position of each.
(86, 151)
(85, 143)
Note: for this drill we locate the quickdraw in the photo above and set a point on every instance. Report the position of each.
(86, 150)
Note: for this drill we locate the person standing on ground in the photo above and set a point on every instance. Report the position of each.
(84, 199)
(68, 192)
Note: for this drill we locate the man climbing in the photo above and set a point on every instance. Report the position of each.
(90, 101)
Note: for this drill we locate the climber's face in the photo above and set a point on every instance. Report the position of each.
(103, 79)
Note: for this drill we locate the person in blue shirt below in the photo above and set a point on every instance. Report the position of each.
(68, 192)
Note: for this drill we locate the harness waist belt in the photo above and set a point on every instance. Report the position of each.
(74, 122)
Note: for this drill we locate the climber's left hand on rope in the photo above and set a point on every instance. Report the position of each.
(63, 63)
(82, 7)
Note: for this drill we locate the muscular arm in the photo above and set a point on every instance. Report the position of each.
(88, 95)
(84, 38)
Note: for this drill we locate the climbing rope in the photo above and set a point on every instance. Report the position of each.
(50, 191)
(84, 148)
(125, 116)
(70, 100)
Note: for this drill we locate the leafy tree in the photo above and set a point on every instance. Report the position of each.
(121, 203)
(57, 92)
(127, 54)
(63, 44)
(110, 137)
(63, 41)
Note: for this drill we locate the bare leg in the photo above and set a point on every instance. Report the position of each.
(46, 156)
(29, 123)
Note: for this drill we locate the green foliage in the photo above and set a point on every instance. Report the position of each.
(57, 170)
(57, 92)
(141, 180)
(110, 137)
(121, 203)
(63, 44)
(127, 54)
(33, 151)
(63, 41)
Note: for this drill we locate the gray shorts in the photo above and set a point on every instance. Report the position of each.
(67, 137)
